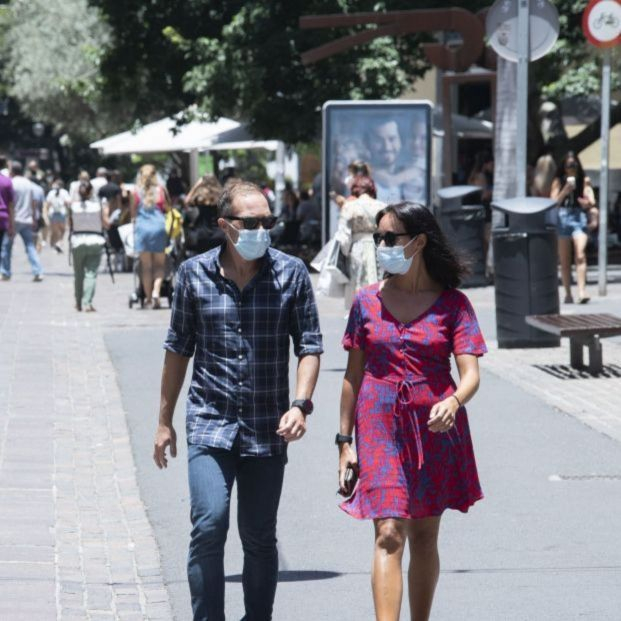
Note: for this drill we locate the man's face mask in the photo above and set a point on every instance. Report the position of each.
(251, 244)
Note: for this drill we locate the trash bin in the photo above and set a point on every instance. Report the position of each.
(525, 272)
(462, 219)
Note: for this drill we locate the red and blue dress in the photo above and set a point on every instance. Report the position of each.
(407, 471)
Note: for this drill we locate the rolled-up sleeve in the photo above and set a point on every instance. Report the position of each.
(181, 337)
(304, 318)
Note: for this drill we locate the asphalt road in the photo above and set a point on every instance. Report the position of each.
(541, 545)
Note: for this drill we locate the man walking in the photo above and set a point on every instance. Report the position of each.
(25, 225)
(234, 309)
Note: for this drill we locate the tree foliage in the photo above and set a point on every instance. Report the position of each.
(52, 53)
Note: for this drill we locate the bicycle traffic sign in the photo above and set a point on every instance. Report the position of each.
(601, 23)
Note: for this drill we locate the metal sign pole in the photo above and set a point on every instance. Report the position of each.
(603, 182)
(522, 94)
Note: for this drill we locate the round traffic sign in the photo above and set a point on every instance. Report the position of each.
(501, 25)
(601, 22)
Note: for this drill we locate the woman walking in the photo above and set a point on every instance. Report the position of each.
(355, 235)
(201, 229)
(414, 452)
(87, 220)
(55, 212)
(574, 197)
(150, 204)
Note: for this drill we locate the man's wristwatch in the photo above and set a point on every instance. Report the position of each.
(341, 438)
(306, 405)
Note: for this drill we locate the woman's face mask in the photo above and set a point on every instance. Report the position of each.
(392, 259)
(251, 244)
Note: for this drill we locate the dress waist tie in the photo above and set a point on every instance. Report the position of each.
(405, 396)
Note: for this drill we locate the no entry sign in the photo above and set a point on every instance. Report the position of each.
(601, 22)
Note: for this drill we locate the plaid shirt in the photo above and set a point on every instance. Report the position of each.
(240, 343)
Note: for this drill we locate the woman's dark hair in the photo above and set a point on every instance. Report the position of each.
(442, 262)
(363, 185)
(85, 188)
(561, 172)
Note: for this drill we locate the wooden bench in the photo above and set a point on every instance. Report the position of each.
(582, 330)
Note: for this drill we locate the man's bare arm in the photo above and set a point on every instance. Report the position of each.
(293, 423)
(173, 374)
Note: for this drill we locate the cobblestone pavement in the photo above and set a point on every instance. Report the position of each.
(75, 541)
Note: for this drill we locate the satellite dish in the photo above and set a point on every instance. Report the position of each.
(501, 26)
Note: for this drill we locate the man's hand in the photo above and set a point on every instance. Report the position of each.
(292, 425)
(164, 436)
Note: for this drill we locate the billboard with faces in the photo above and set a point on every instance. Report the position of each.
(392, 137)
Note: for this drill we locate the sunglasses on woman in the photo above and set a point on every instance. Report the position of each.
(389, 238)
(250, 222)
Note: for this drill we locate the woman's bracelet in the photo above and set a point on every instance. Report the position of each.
(457, 399)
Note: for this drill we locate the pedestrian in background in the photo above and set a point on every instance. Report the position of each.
(74, 186)
(574, 197)
(414, 453)
(55, 208)
(150, 204)
(25, 218)
(87, 221)
(201, 230)
(355, 235)
(7, 198)
(42, 226)
(234, 310)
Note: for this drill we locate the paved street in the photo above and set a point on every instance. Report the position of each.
(90, 529)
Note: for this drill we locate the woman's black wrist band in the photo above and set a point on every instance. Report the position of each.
(456, 399)
(341, 438)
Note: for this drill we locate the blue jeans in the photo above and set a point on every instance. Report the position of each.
(259, 484)
(27, 234)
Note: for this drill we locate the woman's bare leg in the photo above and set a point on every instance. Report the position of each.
(564, 253)
(159, 261)
(386, 576)
(580, 243)
(146, 275)
(424, 569)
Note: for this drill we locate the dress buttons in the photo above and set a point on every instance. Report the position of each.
(239, 330)
(240, 356)
(241, 383)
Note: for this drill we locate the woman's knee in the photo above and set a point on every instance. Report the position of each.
(424, 538)
(390, 536)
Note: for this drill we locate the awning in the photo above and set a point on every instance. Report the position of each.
(164, 136)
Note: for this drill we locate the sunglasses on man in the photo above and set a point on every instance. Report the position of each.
(389, 238)
(250, 222)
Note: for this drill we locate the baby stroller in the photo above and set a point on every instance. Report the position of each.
(126, 232)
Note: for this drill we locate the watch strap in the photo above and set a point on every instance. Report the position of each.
(341, 438)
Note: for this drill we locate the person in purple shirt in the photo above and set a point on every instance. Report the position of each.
(7, 199)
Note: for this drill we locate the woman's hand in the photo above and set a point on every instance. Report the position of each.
(442, 415)
(347, 457)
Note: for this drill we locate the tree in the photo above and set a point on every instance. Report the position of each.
(53, 50)
(252, 68)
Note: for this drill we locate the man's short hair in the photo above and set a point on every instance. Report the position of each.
(3, 160)
(17, 168)
(102, 171)
(225, 202)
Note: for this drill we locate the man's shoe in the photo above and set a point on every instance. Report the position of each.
(38, 278)
(5, 277)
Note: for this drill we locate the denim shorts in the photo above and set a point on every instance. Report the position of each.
(571, 221)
